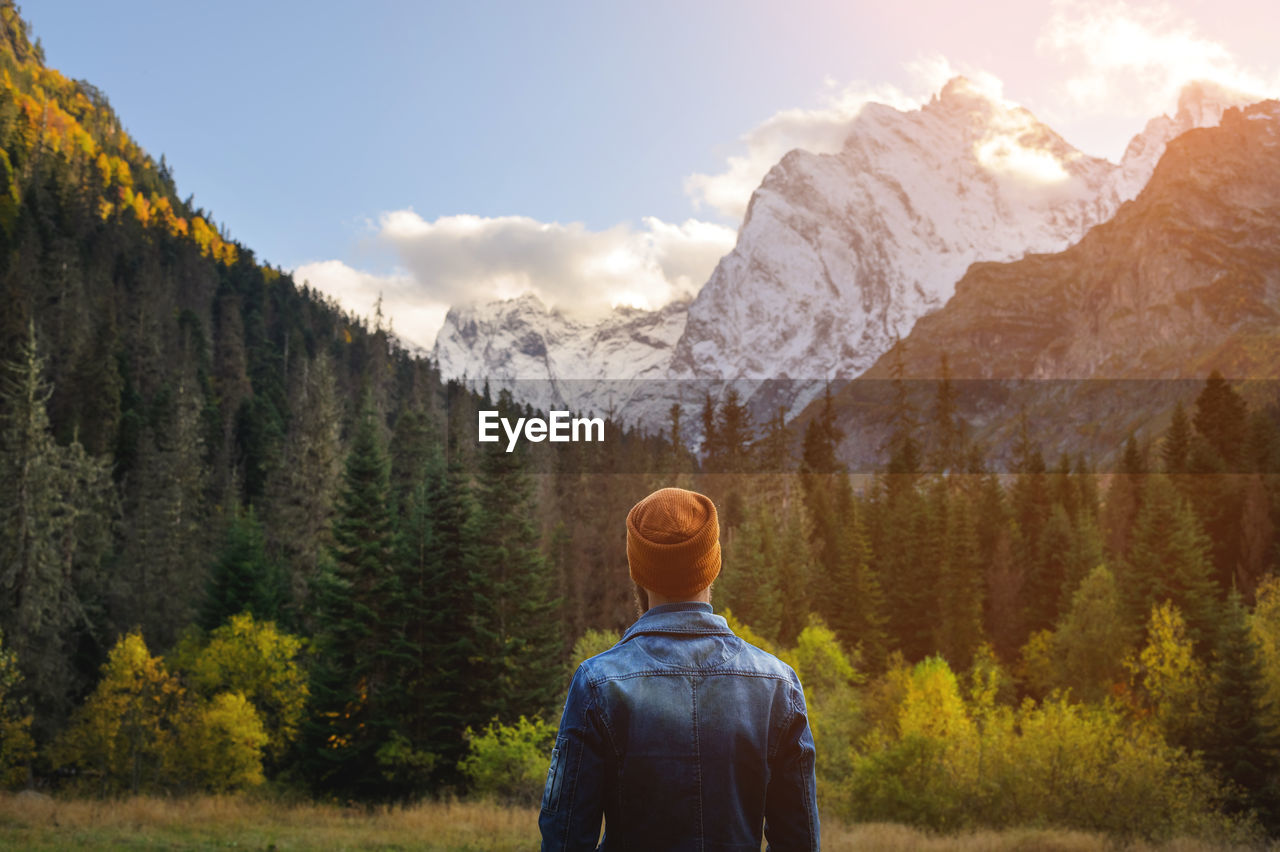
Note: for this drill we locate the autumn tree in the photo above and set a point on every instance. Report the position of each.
(119, 736)
(257, 661)
(1170, 679)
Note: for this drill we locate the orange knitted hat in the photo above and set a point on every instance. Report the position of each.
(673, 542)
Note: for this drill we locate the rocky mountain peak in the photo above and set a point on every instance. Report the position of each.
(840, 254)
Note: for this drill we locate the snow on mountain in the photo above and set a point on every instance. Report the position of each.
(838, 255)
(553, 360)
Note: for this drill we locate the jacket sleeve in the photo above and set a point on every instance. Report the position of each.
(573, 799)
(791, 800)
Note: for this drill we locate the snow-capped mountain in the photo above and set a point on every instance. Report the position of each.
(838, 255)
(841, 253)
(552, 360)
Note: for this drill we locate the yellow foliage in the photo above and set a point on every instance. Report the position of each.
(141, 209)
(820, 660)
(932, 705)
(257, 661)
(103, 164)
(591, 643)
(1061, 763)
(1168, 674)
(140, 729)
(835, 712)
(117, 737)
(1041, 669)
(218, 745)
(1264, 626)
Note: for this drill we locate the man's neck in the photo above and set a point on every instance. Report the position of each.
(656, 599)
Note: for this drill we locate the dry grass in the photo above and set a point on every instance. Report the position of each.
(879, 837)
(213, 822)
(207, 822)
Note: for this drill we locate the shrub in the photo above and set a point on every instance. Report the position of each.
(510, 762)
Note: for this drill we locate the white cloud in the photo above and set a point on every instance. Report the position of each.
(459, 259)
(820, 130)
(406, 306)
(1132, 60)
(1012, 148)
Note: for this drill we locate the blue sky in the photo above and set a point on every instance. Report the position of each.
(438, 151)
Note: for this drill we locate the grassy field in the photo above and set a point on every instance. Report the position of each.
(209, 822)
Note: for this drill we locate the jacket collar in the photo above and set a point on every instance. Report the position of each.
(690, 617)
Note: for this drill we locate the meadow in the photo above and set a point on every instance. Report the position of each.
(33, 822)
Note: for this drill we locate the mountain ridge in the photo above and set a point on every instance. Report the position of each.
(1101, 339)
(853, 246)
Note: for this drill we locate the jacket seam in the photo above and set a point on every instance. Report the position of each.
(598, 707)
(722, 631)
(697, 762)
(577, 769)
(809, 808)
(675, 671)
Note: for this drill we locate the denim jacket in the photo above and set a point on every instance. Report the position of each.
(682, 736)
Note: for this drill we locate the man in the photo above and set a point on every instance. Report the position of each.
(682, 735)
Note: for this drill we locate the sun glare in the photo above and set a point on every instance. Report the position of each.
(1005, 153)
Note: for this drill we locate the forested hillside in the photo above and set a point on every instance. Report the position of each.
(188, 434)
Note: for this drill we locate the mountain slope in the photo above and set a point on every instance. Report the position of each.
(1182, 281)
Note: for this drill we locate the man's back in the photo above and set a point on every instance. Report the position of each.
(684, 737)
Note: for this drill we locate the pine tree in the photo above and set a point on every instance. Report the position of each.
(775, 449)
(514, 615)
(162, 568)
(821, 437)
(861, 621)
(301, 490)
(1239, 742)
(749, 585)
(434, 544)
(358, 605)
(1124, 500)
(734, 434)
(244, 578)
(903, 536)
(710, 439)
(56, 507)
(1221, 419)
(959, 588)
(1177, 442)
(1169, 560)
(1030, 499)
(1048, 578)
(948, 431)
(904, 448)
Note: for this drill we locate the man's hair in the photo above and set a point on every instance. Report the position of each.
(641, 595)
(642, 599)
